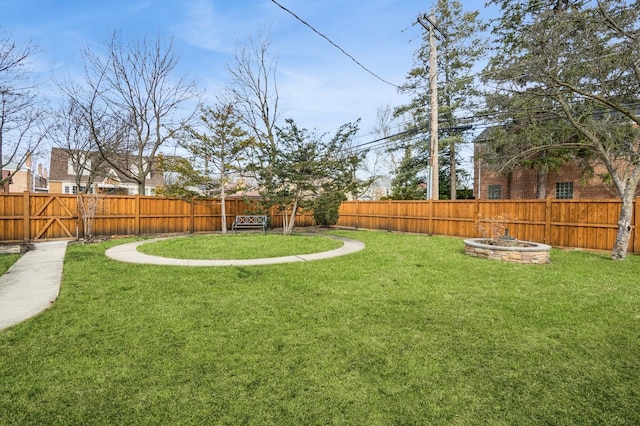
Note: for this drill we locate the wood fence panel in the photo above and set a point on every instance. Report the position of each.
(528, 220)
(164, 215)
(348, 214)
(12, 219)
(275, 219)
(207, 215)
(420, 217)
(588, 224)
(392, 216)
(454, 218)
(375, 215)
(115, 216)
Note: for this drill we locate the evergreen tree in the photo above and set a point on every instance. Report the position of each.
(219, 143)
(304, 166)
(409, 178)
(460, 47)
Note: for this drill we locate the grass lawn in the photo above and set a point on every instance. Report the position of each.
(407, 331)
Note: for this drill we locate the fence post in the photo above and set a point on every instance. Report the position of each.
(26, 216)
(192, 213)
(547, 221)
(476, 215)
(357, 219)
(430, 219)
(136, 225)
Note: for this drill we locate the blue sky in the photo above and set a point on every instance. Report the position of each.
(320, 88)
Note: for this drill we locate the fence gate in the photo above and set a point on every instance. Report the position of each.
(53, 217)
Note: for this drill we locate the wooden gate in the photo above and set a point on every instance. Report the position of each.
(53, 217)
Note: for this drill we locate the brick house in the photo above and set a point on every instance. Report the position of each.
(566, 182)
(105, 179)
(23, 179)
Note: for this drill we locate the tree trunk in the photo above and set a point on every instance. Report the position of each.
(223, 208)
(288, 226)
(542, 183)
(623, 235)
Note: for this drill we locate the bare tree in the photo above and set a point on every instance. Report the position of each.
(253, 90)
(22, 127)
(134, 103)
(88, 206)
(75, 137)
(381, 155)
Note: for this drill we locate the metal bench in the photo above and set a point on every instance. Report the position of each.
(250, 222)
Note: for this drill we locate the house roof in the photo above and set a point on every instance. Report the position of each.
(13, 166)
(59, 169)
(484, 135)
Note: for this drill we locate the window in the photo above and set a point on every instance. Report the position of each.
(80, 163)
(73, 189)
(495, 192)
(564, 190)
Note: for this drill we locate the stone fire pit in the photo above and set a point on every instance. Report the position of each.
(526, 252)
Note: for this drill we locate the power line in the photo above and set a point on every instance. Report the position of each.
(405, 136)
(335, 45)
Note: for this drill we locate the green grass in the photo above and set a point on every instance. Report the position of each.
(239, 246)
(6, 260)
(407, 331)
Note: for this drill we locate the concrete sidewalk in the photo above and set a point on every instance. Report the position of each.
(129, 253)
(32, 283)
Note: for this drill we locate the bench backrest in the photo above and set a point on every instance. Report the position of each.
(253, 219)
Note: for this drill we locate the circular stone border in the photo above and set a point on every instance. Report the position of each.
(533, 253)
(129, 253)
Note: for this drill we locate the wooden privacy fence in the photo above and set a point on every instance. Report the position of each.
(28, 217)
(589, 224)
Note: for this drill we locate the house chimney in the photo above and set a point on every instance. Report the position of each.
(39, 169)
(27, 161)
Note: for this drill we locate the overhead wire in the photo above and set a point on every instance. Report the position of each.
(335, 45)
(413, 131)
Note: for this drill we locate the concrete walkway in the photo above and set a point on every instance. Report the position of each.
(32, 283)
(129, 253)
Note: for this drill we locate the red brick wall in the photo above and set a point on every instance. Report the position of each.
(523, 183)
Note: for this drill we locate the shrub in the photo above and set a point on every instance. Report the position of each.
(493, 227)
(325, 208)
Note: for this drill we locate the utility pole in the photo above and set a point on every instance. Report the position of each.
(433, 90)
